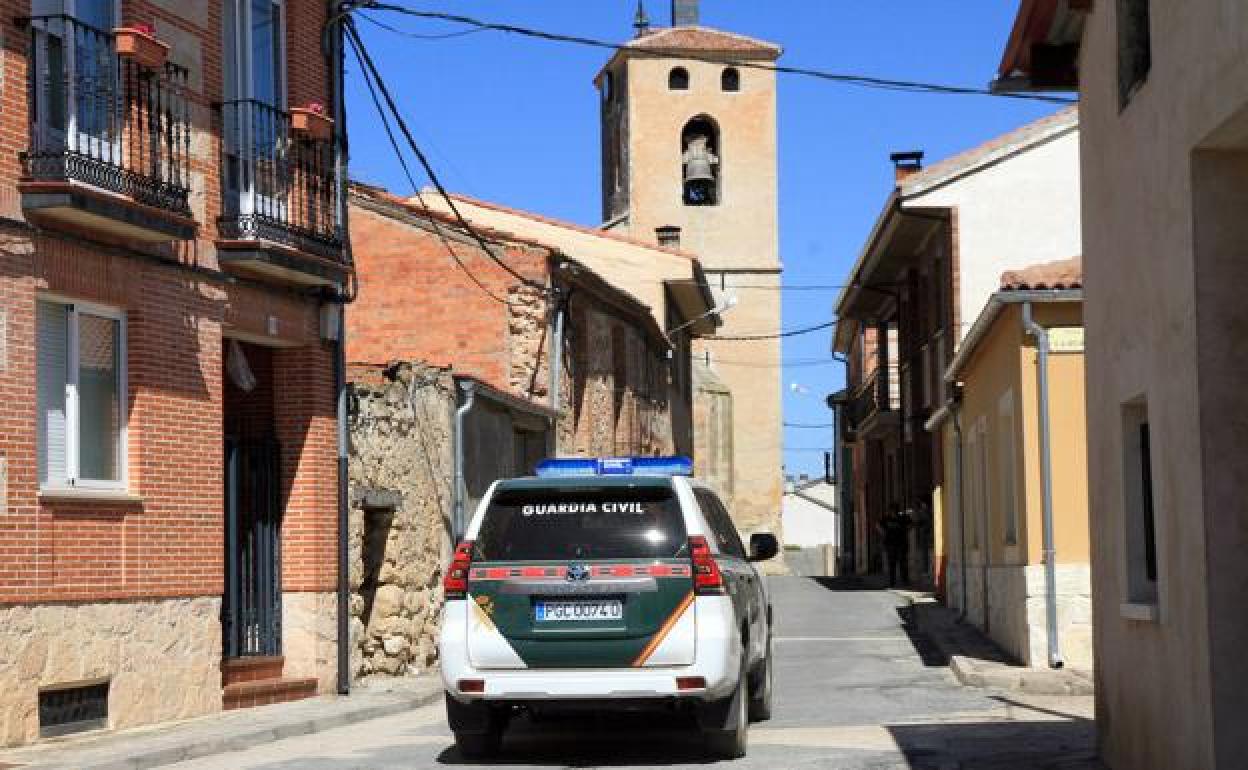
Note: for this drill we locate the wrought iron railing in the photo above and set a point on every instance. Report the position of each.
(106, 120)
(277, 184)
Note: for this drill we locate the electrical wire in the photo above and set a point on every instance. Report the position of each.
(808, 425)
(777, 336)
(366, 59)
(418, 35)
(407, 171)
(864, 81)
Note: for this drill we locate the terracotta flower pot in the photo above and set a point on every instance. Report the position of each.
(140, 47)
(311, 123)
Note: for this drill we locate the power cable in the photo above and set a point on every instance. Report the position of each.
(407, 171)
(367, 61)
(807, 425)
(865, 81)
(418, 35)
(780, 335)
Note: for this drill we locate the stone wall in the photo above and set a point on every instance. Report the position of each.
(401, 430)
(161, 659)
(310, 637)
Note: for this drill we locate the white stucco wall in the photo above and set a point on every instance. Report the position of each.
(806, 522)
(1016, 211)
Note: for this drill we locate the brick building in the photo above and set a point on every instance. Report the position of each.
(429, 292)
(168, 247)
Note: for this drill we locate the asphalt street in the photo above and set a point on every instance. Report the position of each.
(855, 688)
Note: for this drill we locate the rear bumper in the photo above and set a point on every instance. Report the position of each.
(717, 661)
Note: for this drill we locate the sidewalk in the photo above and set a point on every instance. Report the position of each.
(978, 662)
(165, 744)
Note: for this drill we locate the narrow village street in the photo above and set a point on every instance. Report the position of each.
(855, 689)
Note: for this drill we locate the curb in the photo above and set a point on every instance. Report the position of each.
(197, 745)
(975, 671)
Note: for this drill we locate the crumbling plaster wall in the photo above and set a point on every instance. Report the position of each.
(400, 465)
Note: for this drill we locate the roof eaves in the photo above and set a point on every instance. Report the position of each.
(991, 153)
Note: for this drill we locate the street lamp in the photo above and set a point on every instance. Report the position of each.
(729, 303)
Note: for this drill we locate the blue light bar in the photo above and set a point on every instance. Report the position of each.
(573, 467)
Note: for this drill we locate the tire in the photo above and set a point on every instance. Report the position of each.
(761, 689)
(730, 742)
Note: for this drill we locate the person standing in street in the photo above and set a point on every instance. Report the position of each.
(895, 527)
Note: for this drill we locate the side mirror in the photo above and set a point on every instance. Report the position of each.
(763, 546)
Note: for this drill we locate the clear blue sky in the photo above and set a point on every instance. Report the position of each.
(515, 120)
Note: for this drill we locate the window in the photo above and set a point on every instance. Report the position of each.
(1137, 478)
(254, 76)
(720, 522)
(678, 79)
(1009, 470)
(81, 395)
(730, 80)
(74, 51)
(618, 521)
(1135, 55)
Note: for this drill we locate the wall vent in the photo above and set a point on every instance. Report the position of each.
(74, 709)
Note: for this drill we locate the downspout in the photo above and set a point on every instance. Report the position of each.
(332, 46)
(1046, 483)
(556, 365)
(457, 522)
(956, 410)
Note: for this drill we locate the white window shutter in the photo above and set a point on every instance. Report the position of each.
(52, 354)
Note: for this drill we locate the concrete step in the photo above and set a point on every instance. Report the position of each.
(265, 692)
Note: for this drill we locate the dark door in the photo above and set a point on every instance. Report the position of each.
(252, 610)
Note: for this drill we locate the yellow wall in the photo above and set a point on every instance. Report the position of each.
(1000, 403)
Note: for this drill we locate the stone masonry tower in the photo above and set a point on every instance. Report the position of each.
(689, 142)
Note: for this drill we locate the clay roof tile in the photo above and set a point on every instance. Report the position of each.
(1062, 274)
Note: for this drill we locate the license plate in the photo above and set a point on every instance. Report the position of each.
(606, 609)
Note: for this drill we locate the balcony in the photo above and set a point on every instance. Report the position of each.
(875, 407)
(110, 137)
(279, 221)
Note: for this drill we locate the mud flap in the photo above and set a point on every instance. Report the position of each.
(472, 718)
(721, 714)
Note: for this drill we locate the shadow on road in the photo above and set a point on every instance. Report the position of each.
(852, 583)
(600, 740)
(1069, 744)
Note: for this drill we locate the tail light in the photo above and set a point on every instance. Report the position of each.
(455, 584)
(707, 578)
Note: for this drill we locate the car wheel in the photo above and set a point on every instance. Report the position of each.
(729, 742)
(761, 688)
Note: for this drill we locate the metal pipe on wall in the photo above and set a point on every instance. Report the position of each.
(956, 411)
(457, 522)
(1046, 483)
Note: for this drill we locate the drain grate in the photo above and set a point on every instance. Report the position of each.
(65, 710)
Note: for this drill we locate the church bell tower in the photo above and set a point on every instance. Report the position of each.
(689, 142)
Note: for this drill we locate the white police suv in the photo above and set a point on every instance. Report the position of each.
(608, 583)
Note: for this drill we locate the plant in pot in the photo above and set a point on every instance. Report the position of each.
(311, 121)
(137, 42)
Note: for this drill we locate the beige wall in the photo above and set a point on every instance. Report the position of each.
(1164, 243)
(740, 232)
(737, 241)
(1000, 418)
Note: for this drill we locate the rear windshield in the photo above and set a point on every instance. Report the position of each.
(610, 522)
